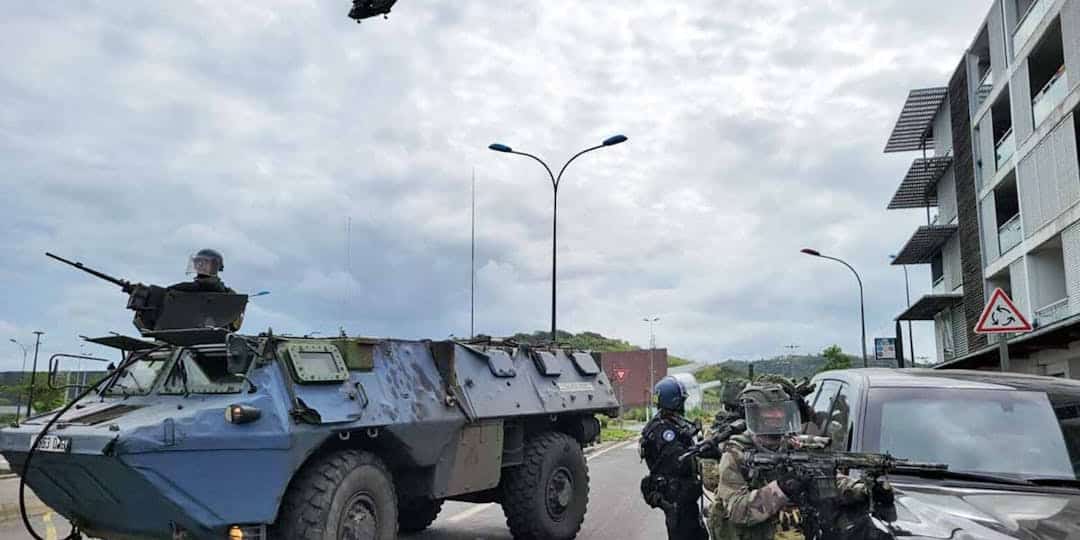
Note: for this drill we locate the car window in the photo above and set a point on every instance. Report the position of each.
(840, 426)
(990, 431)
(822, 405)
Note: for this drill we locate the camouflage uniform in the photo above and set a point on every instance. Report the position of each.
(751, 510)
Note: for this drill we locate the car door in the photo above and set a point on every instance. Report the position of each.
(821, 403)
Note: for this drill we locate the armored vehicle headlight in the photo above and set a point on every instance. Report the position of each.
(242, 414)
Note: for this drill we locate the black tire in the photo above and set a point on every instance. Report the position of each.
(417, 514)
(347, 494)
(545, 498)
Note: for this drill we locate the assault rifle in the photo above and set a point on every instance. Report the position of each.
(715, 440)
(819, 505)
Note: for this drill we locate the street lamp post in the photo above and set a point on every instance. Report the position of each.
(610, 141)
(18, 404)
(652, 365)
(907, 293)
(33, 374)
(862, 305)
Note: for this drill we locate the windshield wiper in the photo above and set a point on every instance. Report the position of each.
(949, 474)
(1054, 482)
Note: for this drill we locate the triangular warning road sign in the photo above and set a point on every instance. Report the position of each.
(1001, 316)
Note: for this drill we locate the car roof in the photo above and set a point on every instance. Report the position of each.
(958, 378)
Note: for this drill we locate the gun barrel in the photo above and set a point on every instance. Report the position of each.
(116, 281)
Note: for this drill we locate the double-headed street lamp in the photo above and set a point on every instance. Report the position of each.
(610, 141)
(652, 366)
(862, 305)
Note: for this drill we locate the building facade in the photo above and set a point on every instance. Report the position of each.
(998, 177)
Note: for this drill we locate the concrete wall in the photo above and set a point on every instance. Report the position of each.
(1070, 251)
(634, 390)
(1070, 36)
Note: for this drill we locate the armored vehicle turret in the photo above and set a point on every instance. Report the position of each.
(202, 433)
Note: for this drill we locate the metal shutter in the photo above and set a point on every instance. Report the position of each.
(988, 224)
(1070, 252)
(1018, 275)
(946, 189)
(1021, 104)
(987, 152)
(953, 269)
(959, 331)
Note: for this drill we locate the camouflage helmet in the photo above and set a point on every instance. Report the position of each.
(762, 392)
(769, 409)
(730, 391)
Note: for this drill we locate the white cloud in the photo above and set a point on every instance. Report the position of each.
(132, 135)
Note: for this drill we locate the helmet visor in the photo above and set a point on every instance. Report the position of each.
(203, 265)
(772, 418)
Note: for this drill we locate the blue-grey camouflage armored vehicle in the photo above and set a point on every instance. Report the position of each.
(200, 432)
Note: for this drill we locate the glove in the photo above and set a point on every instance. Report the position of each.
(882, 492)
(793, 485)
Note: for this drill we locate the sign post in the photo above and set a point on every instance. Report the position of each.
(620, 375)
(1000, 316)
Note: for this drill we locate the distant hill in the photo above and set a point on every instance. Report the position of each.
(795, 367)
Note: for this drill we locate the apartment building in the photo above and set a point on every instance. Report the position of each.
(997, 173)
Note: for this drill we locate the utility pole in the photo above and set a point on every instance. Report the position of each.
(652, 364)
(472, 263)
(18, 404)
(33, 374)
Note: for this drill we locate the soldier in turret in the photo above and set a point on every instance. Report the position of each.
(206, 264)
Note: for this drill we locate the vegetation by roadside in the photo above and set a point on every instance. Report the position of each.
(616, 434)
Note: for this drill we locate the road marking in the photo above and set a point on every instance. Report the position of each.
(461, 516)
(50, 529)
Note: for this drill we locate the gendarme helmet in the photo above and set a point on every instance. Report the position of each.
(670, 394)
(206, 262)
(769, 409)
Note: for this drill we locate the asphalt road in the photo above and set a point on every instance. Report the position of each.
(616, 510)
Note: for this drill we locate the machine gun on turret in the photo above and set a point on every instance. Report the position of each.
(159, 310)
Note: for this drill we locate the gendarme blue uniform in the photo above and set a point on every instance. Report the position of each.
(672, 486)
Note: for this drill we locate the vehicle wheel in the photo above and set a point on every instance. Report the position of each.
(546, 496)
(417, 514)
(346, 495)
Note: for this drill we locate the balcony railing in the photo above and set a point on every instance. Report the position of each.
(1053, 312)
(986, 85)
(939, 285)
(1005, 149)
(1009, 234)
(1029, 22)
(1050, 96)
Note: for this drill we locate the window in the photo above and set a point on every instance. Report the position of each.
(138, 378)
(937, 268)
(1025, 433)
(840, 425)
(822, 406)
(201, 372)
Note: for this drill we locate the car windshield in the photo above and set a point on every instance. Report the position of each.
(1013, 432)
(201, 372)
(138, 379)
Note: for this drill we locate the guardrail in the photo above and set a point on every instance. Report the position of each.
(1029, 22)
(1052, 312)
(1050, 96)
(1009, 234)
(1005, 149)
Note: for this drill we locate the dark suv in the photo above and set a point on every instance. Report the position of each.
(1012, 443)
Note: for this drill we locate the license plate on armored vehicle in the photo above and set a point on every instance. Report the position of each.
(52, 443)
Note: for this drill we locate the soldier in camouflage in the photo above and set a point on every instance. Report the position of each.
(748, 509)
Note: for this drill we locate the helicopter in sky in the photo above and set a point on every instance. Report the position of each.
(365, 9)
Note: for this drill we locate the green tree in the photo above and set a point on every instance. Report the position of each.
(45, 398)
(835, 358)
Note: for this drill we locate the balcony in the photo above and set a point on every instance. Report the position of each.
(1009, 235)
(1050, 96)
(1029, 22)
(986, 85)
(1005, 148)
(939, 286)
(1052, 312)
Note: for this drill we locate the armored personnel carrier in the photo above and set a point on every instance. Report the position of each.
(202, 432)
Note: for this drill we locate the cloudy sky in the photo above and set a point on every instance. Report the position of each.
(134, 133)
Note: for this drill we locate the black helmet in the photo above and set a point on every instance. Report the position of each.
(206, 262)
(670, 394)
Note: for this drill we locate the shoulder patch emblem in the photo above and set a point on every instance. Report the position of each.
(669, 435)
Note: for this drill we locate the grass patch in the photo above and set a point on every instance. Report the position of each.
(614, 434)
